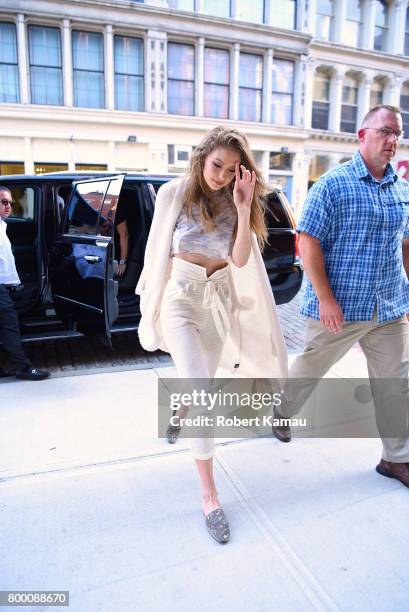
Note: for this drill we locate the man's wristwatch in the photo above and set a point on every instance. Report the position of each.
(122, 262)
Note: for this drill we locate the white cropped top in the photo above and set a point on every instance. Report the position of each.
(190, 236)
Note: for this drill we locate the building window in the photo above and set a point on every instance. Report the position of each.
(404, 106)
(353, 25)
(250, 11)
(319, 165)
(280, 167)
(178, 157)
(182, 5)
(216, 83)
(181, 79)
(280, 161)
(43, 167)
(218, 8)
(250, 87)
(44, 45)
(324, 16)
(381, 25)
(88, 67)
(349, 108)
(376, 93)
(11, 168)
(406, 51)
(128, 54)
(284, 14)
(9, 84)
(320, 104)
(86, 167)
(282, 92)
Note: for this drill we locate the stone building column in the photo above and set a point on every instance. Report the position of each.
(301, 171)
(109, 67)
(393, 89)
(28, 156)
(234, 82)
(158, 157)
(364, 96)
(306, 12)
(337, 83)
(67, 63)
(199, 76)
(339, 20)
(22, 47)
(368, 23)
(111, 156)
(267, 85)
(396, 31)
(156, 72)
(303, 91)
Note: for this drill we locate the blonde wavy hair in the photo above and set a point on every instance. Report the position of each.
(199, 193)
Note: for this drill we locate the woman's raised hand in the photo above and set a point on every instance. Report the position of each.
(244, 188)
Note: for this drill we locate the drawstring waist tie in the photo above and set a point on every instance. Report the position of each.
(215, 288)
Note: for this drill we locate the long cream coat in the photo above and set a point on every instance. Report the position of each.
(254, 346)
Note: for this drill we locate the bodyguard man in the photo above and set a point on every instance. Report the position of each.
(20, 366)
(354, 242)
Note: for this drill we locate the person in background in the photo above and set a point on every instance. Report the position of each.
(20, 365)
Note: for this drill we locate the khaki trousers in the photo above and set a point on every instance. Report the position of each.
(386, 348)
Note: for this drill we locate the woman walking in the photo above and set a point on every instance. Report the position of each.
(205, 294)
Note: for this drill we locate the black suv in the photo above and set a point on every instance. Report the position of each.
(63, 235)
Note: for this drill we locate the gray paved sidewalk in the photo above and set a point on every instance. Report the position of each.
(92, 502)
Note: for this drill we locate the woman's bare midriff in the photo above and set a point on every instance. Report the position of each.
(211, 265)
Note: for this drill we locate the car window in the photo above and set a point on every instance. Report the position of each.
(276, 215)
(85, 206)
(23, 207)
(108, 211)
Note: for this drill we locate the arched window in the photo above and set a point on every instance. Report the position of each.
(324, 17)
(381, 25)
(404, 106)
(320, 104)
(376, 92)
(349, 109)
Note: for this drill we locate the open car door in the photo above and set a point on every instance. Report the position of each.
(82, 266)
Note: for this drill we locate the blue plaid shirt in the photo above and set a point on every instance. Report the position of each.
(360, 224)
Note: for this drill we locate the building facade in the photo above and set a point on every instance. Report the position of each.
(133, 86)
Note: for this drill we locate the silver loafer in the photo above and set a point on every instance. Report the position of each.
(218, 526)
(172, 433)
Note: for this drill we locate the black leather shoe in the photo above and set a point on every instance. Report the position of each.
(31, 373)
(5, 373)
(281, 432)
(400, 471)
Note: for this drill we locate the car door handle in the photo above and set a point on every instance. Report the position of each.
(92, 258)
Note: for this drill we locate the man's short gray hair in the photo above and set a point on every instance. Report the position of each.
(376, 109)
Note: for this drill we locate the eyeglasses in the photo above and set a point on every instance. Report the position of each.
(7, 202)
(386, 132)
